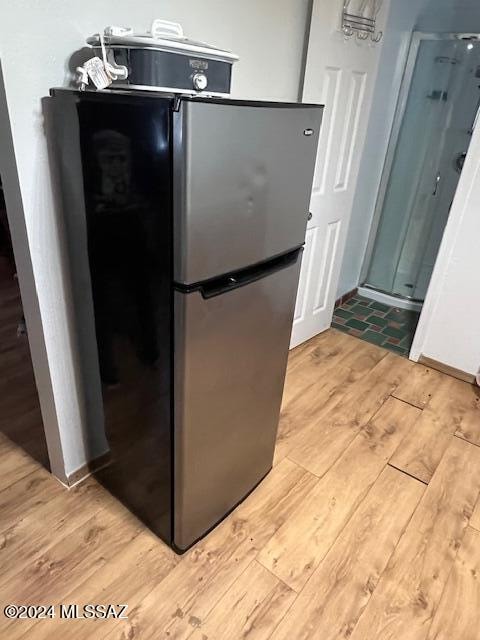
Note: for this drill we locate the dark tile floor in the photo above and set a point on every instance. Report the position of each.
(388, 327)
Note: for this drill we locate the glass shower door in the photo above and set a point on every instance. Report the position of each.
(434, 133)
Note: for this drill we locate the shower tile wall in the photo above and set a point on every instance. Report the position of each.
(388, 327)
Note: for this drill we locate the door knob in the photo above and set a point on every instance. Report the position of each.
(310, 215)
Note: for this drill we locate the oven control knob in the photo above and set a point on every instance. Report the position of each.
(200, 81)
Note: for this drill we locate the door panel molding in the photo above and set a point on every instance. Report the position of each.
(330, 96)
(325, 278)
(350, 129)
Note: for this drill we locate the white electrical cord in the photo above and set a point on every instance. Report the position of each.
(114, 71)
(101, 72)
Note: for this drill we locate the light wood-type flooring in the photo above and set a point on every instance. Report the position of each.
(367, 527)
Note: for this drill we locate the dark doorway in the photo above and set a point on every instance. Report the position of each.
(20, 417)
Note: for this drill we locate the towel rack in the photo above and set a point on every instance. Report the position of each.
(361, 21)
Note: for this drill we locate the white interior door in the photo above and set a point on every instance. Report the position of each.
(340, 73)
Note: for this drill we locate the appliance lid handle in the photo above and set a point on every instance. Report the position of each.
(161, 28)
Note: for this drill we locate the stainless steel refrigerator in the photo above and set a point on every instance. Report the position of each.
(185, 220)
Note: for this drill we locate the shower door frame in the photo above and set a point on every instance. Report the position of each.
(403, 94)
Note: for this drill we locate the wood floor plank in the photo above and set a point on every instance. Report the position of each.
(325, 511)
(297, 355)
(305, 410)
(317, 365)
(314, 368)
(29, 492)
(333, 599)
(185, 598)
(329, 345)
(16, 464)
(423, 448)
(72, 559)
(125, 578)
(318, 446)
(311, 401)
(458, 614)
(249, 609)
(409, 591)
(469, 425)
(419, 386)
(29, 538)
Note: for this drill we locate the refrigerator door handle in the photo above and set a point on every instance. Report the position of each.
(229, 282)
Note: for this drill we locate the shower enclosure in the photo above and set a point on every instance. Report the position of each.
(436, 113)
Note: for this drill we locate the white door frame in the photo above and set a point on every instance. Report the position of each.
(28, 290)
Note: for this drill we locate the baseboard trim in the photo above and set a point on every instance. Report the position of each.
(88, 469)
(445, 368)
(345, 297)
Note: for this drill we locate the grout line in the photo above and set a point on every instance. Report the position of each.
(474, 444)
(257, 561)
(407, 474)
(406, 401)
(300, 466)
(278, 622)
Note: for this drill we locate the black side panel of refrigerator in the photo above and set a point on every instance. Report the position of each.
(120, 248)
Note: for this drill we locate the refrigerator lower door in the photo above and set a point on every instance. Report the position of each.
(231, 353)
(242, 182)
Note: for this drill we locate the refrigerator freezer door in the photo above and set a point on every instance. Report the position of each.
(230, 358)
(242, 181)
